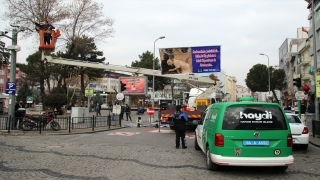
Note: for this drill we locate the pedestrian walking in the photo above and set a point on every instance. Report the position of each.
(98, 109)
(179, 118)
(303, 108)
(113, 112)
(123, 108)
(127, 110)
(18, 115)
(311, 108)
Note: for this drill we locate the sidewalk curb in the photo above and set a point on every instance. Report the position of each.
(12, 134)
(85, 132)
(50, 134)
(317, 145)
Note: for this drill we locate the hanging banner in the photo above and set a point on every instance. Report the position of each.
(318, 84)
(187, 60)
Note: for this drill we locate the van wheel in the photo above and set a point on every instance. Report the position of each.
(280, 168)
(304, 146)
(210, 165)
(196, 145)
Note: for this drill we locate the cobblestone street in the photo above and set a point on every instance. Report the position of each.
(130, 153)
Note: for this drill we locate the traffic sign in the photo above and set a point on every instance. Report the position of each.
(150, 111)
(300, 95)
(29, 99)
(120, 96)
(88, 92)
(10, 88)
(116, 109)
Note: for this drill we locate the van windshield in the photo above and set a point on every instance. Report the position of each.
(254, 118)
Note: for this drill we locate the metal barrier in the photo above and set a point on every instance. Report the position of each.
(315, 128)
(66, 123)
(3, 123)
(115, 120)
(101, 121)
(81, 122)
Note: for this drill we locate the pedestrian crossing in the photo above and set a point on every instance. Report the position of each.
(188, 136)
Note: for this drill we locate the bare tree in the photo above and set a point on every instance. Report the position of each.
(27, 12)
(86, 18)
(75, 18)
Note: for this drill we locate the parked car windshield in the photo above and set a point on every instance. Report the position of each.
(293, 119)
(254, 118)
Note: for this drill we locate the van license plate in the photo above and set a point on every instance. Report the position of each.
(255, 143)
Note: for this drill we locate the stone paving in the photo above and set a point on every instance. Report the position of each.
(145, 155)
(142, 156)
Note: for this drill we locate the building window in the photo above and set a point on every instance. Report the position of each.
(1, 80)
(1, 72)
(1, 89)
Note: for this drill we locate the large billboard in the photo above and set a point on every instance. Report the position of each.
(186, 60)
(134, 85)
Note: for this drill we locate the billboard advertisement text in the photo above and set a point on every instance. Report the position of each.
(186, 60)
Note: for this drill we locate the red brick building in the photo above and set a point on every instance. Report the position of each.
(4, 78)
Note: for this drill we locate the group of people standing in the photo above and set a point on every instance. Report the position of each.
(127, 110)
(303, 108)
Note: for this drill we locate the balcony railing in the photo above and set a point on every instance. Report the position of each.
(305, 61)
(306, 76)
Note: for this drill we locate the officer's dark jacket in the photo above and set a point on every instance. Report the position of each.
(179, 118)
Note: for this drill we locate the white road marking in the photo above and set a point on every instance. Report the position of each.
(124, 133)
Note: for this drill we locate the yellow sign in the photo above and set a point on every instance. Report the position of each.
(318, 84)
(88, 92)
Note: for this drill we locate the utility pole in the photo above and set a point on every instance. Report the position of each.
(14, 48)
(12, 97)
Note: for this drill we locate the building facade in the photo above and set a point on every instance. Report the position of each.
(231, 82)
(242, 91)
(5, 77)
(290, 62)
(109, 83)
(222, 89)
(315, 56)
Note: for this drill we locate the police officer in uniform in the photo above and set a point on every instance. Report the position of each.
(179, 118)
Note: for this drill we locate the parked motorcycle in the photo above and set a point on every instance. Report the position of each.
(42, 121)
(140, 110)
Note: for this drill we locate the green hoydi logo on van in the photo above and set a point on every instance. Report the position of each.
(256, 116)
(214, 116)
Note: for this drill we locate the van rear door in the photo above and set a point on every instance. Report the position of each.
(254, 131)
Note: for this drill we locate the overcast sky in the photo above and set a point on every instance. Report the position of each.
(243, 28)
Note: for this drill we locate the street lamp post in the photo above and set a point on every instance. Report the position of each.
(154, 49)
(268, 70)
(14, 49)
